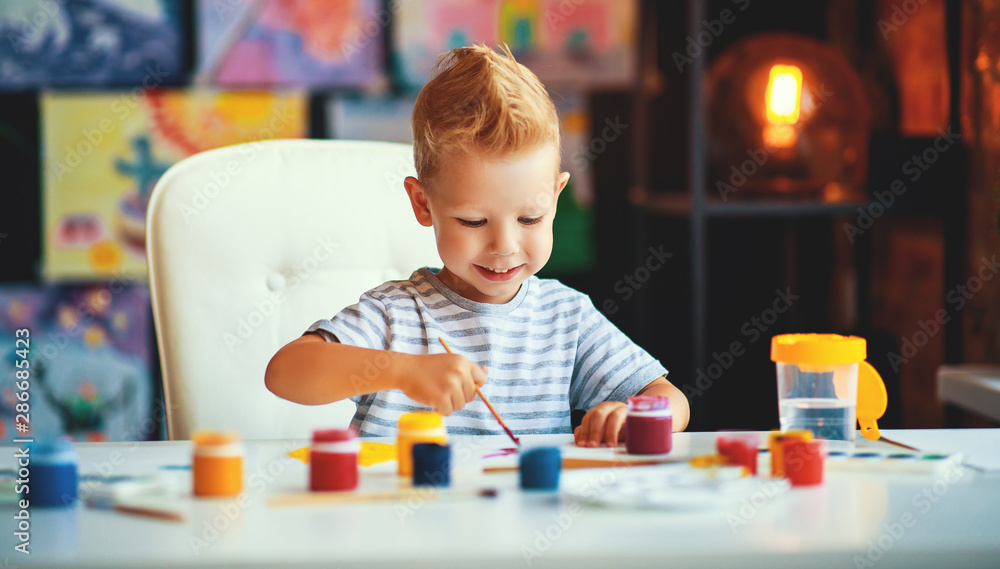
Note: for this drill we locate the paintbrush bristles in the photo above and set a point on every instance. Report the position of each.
(486, 401)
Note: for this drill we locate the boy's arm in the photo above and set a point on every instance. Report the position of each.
(313, 371)
(603, 423)
(679, 407)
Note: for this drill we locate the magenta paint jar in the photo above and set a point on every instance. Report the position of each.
(333, 460)
(648, 425)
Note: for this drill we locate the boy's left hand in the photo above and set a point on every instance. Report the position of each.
(602, 424)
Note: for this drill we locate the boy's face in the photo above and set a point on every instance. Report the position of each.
(492, 219)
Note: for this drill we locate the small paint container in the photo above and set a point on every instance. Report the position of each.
(417, 427)
(738, 451)
(51, 468)
(217, 465)
(540, 468)
(803, 462)
(431, 464)
(333, 460)
(648, 425)
(775, 445)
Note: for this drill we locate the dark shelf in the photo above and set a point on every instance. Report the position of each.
(680, 204)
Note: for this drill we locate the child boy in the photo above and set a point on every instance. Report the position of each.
(486, 147)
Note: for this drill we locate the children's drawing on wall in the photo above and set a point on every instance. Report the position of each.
(103, 154)
(310, 43)
(93, 42)
(89, 361)
(584, 42)
(572, 228)
(370, 118)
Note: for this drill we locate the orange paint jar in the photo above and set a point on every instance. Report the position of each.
(217, 466)
(417, 427)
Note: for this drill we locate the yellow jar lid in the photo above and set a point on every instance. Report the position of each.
(419, 421)
(214, 438)
(818, 349)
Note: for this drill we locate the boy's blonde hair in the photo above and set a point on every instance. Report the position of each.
(480, 101)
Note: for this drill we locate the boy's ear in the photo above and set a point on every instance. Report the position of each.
(418, 199)
(561, 182)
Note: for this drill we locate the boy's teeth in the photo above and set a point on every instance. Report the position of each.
(498, 270)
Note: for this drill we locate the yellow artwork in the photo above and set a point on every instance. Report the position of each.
(103, 154)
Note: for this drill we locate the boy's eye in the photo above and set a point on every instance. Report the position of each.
(529, 220)
(474, 223)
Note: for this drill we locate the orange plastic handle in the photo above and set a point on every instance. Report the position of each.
(872, 401)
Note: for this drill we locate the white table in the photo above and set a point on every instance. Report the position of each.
(889, 520)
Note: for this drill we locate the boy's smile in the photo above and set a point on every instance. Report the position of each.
(492, 219)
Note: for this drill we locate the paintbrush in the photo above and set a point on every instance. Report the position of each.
(422, 493)
(135, 509)
(574, 463)
(487, 402)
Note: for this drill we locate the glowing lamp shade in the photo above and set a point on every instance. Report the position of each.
(784, 94)
(785, 114)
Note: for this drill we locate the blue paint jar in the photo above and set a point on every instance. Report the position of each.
(431, 464)
(52, 474)
(540, 468)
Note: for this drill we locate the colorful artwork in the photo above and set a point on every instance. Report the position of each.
(89, 352)
(572, 228)
(290, 42)
(97, 42)
(103, 154)
(585, 42)
(366, 118)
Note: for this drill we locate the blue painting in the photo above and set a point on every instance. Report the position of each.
(88, 374)
(73, 43)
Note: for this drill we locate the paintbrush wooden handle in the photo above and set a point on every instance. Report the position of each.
(422, 493)
(496, 415)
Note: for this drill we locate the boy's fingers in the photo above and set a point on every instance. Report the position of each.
(598, 421)
(612, 426)
(457, 403)
(581, 432)
(469, 390)
(481, 378)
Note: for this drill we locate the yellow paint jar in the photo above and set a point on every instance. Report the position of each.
(417, 427)
(775, 445)
(217, 466)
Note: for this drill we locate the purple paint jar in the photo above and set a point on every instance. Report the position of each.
(648, 425)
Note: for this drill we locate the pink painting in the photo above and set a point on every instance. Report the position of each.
(307, 43)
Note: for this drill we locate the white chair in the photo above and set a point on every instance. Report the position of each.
(249, 244)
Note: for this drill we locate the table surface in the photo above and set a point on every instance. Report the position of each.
(854, 519)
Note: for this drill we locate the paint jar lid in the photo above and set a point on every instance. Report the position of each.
(214, 438)
(333, 435)
(649, 403)
(217, 443)
(818, 349)
(420, 421)
(431, 464)
(540, 468)
(60, 451)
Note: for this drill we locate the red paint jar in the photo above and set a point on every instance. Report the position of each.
(739, 451)
(333, 460)
(648, 425)
(803, 462)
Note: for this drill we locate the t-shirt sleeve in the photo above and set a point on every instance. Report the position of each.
(365, 325)
(609, 366)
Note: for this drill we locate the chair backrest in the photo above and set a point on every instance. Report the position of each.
(249, 244)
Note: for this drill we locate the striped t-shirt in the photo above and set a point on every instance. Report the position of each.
(547, 351)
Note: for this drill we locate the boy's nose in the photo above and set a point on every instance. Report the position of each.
(503, 242)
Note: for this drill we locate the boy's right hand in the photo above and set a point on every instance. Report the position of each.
(443, 382)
